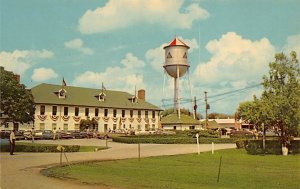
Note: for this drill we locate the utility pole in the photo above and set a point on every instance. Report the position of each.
(195, 108)
(206, 106)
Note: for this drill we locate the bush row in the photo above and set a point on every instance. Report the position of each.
(172, 140)
(272, 146)
(39, 148)
(202, 133)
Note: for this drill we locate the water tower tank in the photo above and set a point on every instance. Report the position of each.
(176, 58)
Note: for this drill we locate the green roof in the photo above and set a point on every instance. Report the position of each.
(212, 124)
(78, 96)
(173, 119)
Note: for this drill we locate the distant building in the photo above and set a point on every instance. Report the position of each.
(185, 122)
(62, 107)
(223, 123)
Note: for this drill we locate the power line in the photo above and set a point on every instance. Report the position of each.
(234, 91)
(237, 91)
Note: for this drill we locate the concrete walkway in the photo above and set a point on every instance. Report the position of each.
(22, 171)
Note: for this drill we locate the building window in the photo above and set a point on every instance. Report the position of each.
(147, 127)
(153, 127)
(76, 126)
(87, 111)
(139, 114)
(146, 114)
(134, 99)
(102, 97)
(123, 113)
(65, 127)
(153, 114)
(105, 112)
(114, 127)
(42, 126)
(54, 110)
(131, 113)
(76, 111)
(62, 93)
(139, 127)
(66, 111)
(115, 113)
(124, 126)
(192, 127)
(42, 110)
(96, 112)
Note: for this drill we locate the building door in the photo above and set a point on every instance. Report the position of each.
(16, 126)
(174, 127)
(105, 128)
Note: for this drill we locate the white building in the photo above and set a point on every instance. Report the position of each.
(62, 107)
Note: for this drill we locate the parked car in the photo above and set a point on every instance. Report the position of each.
(4, 134)
(78, 134)
(19, 135)
(47, 134)
(240, 133)
(65, 135)
(268, 134)
(38, 134)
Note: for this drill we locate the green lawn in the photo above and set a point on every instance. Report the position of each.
(239, 170)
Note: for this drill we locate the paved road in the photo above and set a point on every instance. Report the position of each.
(22, 171)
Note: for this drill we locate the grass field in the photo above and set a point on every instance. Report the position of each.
(238, 170)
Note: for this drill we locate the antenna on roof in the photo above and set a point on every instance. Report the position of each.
(103, 88)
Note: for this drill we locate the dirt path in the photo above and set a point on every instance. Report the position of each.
(22, 171)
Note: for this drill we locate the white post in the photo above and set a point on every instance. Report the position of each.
(212, 148)
(197, 136)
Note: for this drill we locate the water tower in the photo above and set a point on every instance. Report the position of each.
(176, 65)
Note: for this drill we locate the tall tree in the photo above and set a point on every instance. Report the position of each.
(17, 103)
(281, 95)
(279, 105)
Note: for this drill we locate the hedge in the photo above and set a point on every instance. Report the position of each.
(38, 148)
(202, 133)
(272, 146)
(170, 140)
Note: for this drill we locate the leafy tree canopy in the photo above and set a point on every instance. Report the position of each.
(88, 124)
(17, 103)
(279, 105)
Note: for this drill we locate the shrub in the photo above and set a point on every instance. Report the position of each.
(202, 133)
(272, 147)
(39, 148)
(241, 143)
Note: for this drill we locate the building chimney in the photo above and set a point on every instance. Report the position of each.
(141, 94)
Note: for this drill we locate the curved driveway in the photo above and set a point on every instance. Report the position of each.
(22, 171)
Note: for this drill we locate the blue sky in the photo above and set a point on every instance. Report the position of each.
(120, 44)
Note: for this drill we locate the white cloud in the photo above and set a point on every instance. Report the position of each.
(43, 74)
(19, 61)
(116, 14)
(293, 44)
(156, 56)
(235, 60)
(124, 77)
(77, 44)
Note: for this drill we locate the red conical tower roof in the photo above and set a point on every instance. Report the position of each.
(177, 42)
